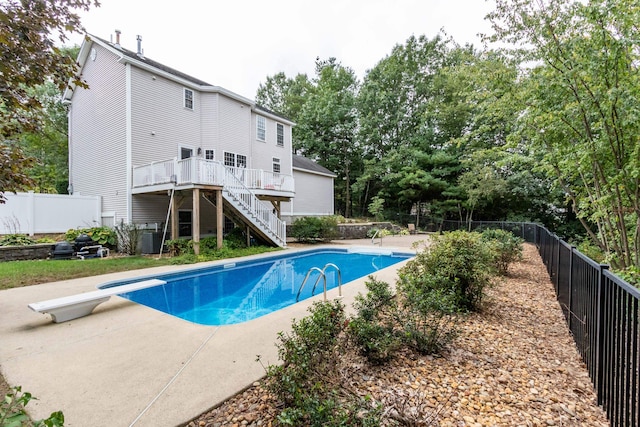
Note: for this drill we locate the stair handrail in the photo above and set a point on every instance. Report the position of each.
(246, 197)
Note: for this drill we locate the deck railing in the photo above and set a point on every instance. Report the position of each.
(195, 170)
(262, 212)
(601, 311)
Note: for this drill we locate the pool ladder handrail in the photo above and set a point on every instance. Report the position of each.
(324, 277)
(373, 242)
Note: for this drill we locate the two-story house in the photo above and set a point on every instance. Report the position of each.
(162, 147)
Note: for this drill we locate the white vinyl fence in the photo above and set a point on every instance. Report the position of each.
(31, 213)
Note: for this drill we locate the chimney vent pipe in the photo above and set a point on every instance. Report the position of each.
(118, 38)
(139, 53)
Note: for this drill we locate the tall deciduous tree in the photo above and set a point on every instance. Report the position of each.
(284, 95)
(327, 126)
(410, 111)
(583, 108)
(29, 57)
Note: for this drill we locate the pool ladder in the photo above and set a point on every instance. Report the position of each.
(324, 277)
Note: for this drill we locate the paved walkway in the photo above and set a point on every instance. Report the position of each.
(127, 364)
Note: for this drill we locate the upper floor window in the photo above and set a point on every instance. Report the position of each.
(209, 154)
(188, 98)
(276, 165)
(280, 134)
(261, 128)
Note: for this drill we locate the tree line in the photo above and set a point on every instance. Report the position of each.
(540, 124)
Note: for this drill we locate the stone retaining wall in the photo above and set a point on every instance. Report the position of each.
(355, 230)
(18, 253)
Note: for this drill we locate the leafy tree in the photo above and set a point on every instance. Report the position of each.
(482, 184)
(411, 110)
(284, 95)
(327, 126)
(582, 108)
(49, 146)
(13, 164)
(29, 57)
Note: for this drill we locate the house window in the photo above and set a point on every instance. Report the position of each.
(184, 223)
(280, 134)
(185, 153)
(209, 154)
(188, 98)
(229, 159)
(235, 160)
(261, 128)
(276, 165)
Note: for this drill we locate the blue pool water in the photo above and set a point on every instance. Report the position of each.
(238, 291)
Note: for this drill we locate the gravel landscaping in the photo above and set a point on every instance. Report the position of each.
(513, 364)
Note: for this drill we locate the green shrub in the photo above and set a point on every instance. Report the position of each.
(372, 329)
(104, 236)
(303, 381)
(458, 264)
(45, 240)
(16, 240)
(309, 229)
(588, 248)
(631, 275)
(179, 247)
(12, 413)
(428, 320)
(236, 239)
(378, 232)
(507, 248)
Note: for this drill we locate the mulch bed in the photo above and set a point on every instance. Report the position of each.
(513, 364)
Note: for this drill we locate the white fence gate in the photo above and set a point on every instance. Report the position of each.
(31, 213)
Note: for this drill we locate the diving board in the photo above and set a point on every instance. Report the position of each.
(79, 305)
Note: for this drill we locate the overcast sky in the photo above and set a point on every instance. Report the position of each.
(236, 44)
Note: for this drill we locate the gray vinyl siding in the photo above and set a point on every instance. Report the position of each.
(159, 121)
(209, 118)
(97, 148)
(234, 128)
(149, 208)
(314, 196)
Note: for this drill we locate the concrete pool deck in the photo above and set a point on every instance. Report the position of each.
(127, 364)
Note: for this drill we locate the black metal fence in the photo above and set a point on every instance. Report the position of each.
(601, 311)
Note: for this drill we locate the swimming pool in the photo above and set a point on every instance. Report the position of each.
(237, 291)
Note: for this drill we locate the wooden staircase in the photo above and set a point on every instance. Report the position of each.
(258, 215)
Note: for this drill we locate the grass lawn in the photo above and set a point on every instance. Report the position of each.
(14, 274)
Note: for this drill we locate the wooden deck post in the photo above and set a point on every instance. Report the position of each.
(175, 232)
(219, 219)
(195, 221)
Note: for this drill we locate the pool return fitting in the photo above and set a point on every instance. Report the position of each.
(324, 277)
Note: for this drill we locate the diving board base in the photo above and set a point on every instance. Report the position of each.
(80, 305)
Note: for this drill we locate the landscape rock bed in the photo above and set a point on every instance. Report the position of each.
(513, 364)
